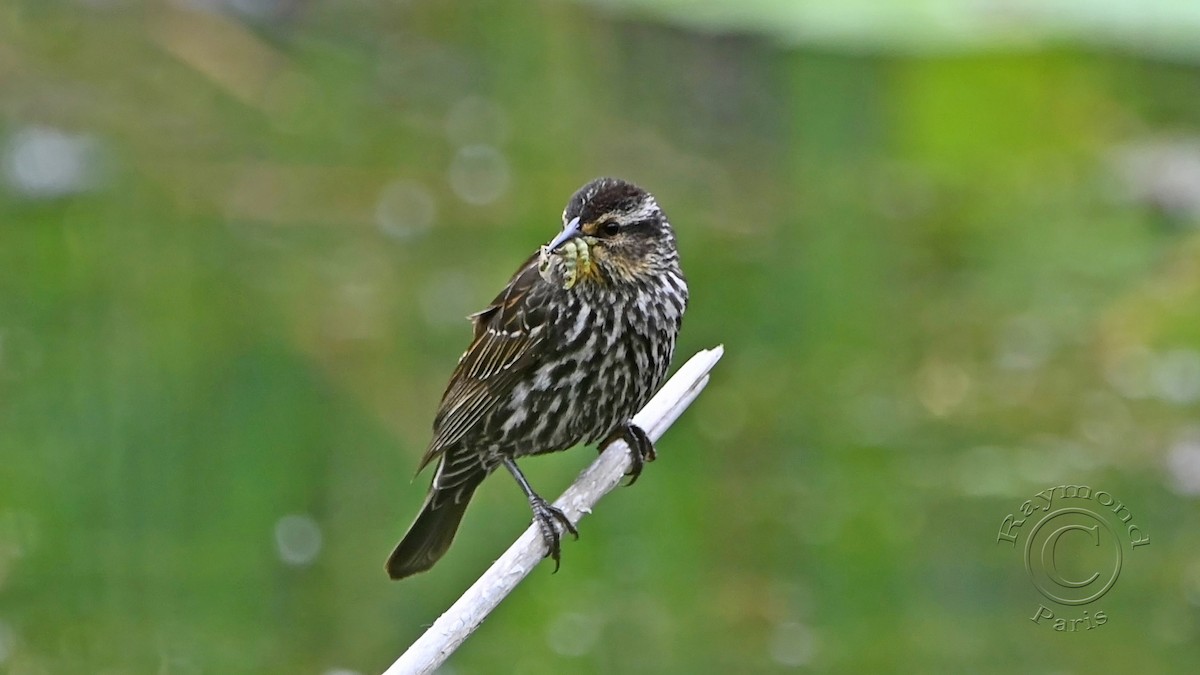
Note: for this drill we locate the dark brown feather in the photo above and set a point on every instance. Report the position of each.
(505, 348)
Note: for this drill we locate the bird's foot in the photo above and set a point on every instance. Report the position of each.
(641, 449)
(548, 519)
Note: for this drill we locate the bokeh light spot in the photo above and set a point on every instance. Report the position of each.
(1176, 376)
(573, 633)
(479, 174)
(1165, 174)
(793, 644)
(297, 539)
(1104, 418)
(941, 386)
(1025, 343)
(1183, 463)
(405, 209)
(41, 162)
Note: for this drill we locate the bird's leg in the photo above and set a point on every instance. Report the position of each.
(545, 515)
(641, 448)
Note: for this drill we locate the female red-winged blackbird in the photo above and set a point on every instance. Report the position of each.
(567, 353)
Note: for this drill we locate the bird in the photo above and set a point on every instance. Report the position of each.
(576, 343)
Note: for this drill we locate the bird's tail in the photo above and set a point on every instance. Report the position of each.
(431, 533)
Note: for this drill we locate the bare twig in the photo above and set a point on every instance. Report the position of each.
(464, 616)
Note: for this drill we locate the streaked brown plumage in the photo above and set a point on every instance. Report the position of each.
(573, 346)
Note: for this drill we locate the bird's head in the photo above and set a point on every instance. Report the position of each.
(613, 232)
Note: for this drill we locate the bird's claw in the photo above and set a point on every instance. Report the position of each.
(641, 449)
(548, 518)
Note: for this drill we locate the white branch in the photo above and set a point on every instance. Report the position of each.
(464, 616)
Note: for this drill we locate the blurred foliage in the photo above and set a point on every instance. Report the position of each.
(237, 241)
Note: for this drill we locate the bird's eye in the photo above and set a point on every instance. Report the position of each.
(610, 227)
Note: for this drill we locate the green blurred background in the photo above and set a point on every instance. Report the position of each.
(951, 250)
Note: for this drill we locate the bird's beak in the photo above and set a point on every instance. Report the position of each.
(569, 230)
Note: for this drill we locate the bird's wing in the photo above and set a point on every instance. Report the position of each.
(505, 351)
